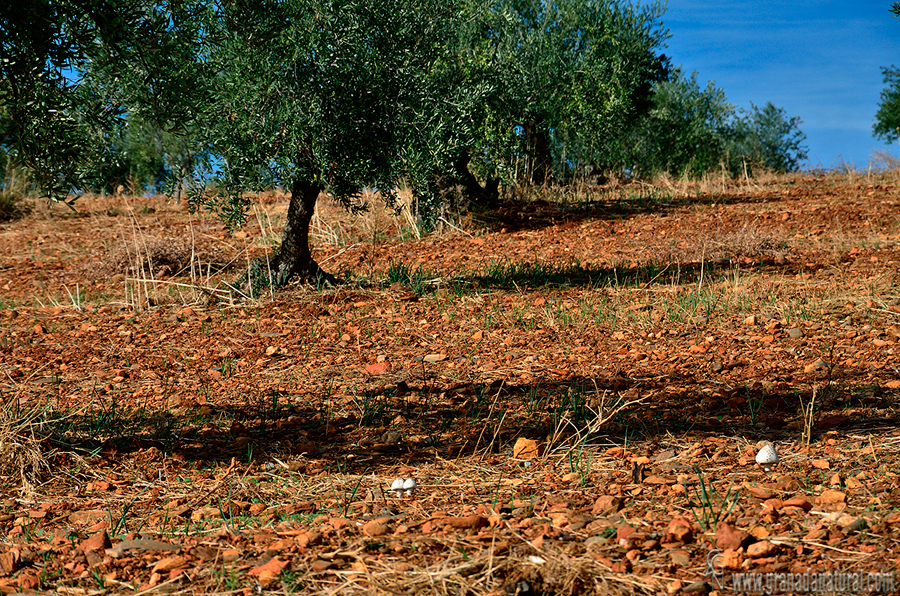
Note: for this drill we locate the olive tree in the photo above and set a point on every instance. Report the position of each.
(328, 95)
(887, 118)
(766, 138)
(308, 95)
(48, 123)
(566, 80)
(685, 131)
(692, 130)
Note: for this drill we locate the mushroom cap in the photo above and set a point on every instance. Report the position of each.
(409, 484)
(397, 484)
(767, 456)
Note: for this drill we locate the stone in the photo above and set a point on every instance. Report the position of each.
(269, 571)
(729, 537)
(831, 497)
(760, 492)
(607, 504)
(99, 541)
(526, 449)
(761, 549)
(9, 561)
(680, 557)
(169, 563)
(88, 517)
(463, 523)
(800, 502)
(815, 366)
(141, 545)
(375, 528)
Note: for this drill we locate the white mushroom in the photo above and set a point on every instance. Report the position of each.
(397, 487)
(767, 456)
(409, 485)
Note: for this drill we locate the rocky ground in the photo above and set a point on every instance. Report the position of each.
(577, 384)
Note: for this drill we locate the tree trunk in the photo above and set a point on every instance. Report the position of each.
(293, 258)
(537, 147)
(483, 196)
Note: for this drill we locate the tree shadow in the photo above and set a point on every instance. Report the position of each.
(521, 214)
(518, 275)
(418, 422)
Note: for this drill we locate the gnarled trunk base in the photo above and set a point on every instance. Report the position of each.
(293, 259)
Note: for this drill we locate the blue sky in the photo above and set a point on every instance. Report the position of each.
(820, 60)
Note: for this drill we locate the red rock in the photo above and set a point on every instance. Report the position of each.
(526, 449)
(622, 535)
(607, 504)
(375, 528)
(731, 559)
(681, 533)
(680, 557)
(169, 563)
(831, 497)
(760, 492)
(99, 541)
(833, 421)
(772, 505)
(29, 581)
(761, 549)
(800, 502)
(680, 530)
(462, 523)
(729, 537)
(308, 539)
(378, 368)
(269, 571)
(339, 522)
(658, 480)
(9, 561)
(320, 565)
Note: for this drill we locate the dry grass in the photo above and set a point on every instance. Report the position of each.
(372, 221)
(14, 196)
(23, 462)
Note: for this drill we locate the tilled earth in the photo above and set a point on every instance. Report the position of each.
(577, 387)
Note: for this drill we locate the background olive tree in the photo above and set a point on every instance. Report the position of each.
(566, 79)
(887, 118)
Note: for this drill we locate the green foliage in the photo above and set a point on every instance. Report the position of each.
(767, 138)
(566, 78)
(145, 157)
(52, 124)
(692, 131)
(714, 508)
(340, 95)
(887, 118)
(686, 130)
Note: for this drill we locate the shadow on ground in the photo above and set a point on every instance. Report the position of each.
(410, 424)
